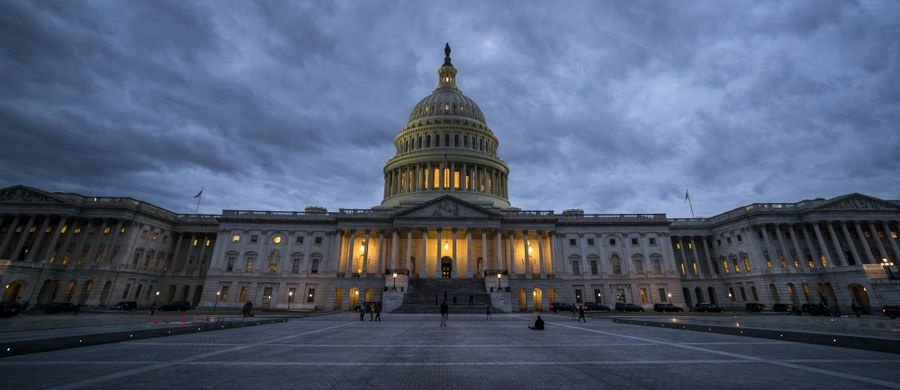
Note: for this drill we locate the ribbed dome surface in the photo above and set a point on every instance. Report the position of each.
(446, 102)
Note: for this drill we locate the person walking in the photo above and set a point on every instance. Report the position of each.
(581, 313)
(362, 311)
(487, 310)
(445, 313)
(371, 307)
(153, 309)
(377, 312)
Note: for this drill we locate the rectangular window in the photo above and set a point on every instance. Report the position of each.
(243, 296)
(223, 296)
(598, 297)
(155, 236)
(865, 233)
(137, 293)
(249, 266)
(254, 238)
(273, 264)
(594, 267)
(143, 233)
(678, 245)
(575, 269)
(657, 266)
(195, 242)
(572, 242)
(127, 290)
(318, 240)
(747, 263)
(230, 264)
(652, 241)
(662, 295)
(291, 292)
(295, 266)
(106, 230)
(634, 241)
(639, 266)
(739, 238)
(300, 240)
(235, 238)
(267, 295)
(743, 294)
(578, 296)
(753, 292)
(643, 295)
(616, 266)
(314, 268)
(311, 295)
(725, 266)
(591, 241)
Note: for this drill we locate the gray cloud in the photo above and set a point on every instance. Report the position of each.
(610, 107)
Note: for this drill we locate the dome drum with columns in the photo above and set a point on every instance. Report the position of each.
(446, 148)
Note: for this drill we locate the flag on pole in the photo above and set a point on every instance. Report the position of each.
(199, 194)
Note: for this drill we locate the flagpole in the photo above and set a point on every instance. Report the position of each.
(199, 197)
(687, 198)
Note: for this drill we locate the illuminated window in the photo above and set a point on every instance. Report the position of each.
(643, 295)
(235, 238)
(155, 236)
(695, 268)
(248, 267)
(223, 295)
(273, 262)
(121, 231)
(311, 295)
(737, 268)
(106, 230)
(33, 229)
(62, 230)
(823, 260)
(657, 266)
(690, 245)
(747, 263)
(243, 296)
(725, 266)
(143, 233)
(196, 242)
(678, 245)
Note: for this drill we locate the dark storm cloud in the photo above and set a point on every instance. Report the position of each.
(608, 107)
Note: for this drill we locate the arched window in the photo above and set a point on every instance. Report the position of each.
(446, 139)
(419, 143)
(428, 140)
(616, 264)
(437, 140)
(456, 140)
(465, 141)
(273, 262)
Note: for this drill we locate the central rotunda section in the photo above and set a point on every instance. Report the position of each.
(446, 148)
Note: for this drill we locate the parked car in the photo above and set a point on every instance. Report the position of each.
(814, 309)
(124, 306)
(708, 308)
(892, 311)
(10, 308)
(784, 307)
(59, 307)
(754, 307)
(661, 307)
(557, 307)
(594, 306)
(176, 306)
(622, 306)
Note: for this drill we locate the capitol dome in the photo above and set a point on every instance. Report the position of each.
(446, 148)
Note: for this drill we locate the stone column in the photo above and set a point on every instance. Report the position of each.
(201, 259)
(850, 242)
(408, 255)
(551, 245)
(380, 271)
(365, 260)
(36, 246)
(525, 248)
(468, 253)
(837, 244)
(710, 266)
(784, 250)
(796, 245)
(809, 244)
(422, 269)
(348, 269)
(543, 268)
(894, 246)
(92, 255)
(84, 236)
(484, 258)
(67, 238)
(455, 262)
(878, 242)
(440, 253)
(513, 263)
(822, 244)
(395, 257)
(498, 241)
(9, 234)
(23, 238)
(865, 243)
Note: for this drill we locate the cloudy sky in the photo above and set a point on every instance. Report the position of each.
(611, 107)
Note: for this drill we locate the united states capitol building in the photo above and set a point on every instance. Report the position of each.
(445, 221)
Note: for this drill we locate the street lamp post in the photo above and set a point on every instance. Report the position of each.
(216, 305)
(669, 295)
(499, 275)
(394, 288)
(731, 297)
(290, 299)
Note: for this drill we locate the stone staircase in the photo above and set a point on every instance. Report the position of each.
(420, 296)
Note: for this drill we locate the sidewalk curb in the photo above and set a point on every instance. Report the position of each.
(833, 340)
(56, 343)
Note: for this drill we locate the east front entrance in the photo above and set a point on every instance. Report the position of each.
(446, 267)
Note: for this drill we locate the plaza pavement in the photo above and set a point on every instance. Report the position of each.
(410, 351)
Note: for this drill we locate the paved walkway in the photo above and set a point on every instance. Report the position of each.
(411, 351)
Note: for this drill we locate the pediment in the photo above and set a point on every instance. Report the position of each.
(23, 194)
(447, 207)
(857, 202)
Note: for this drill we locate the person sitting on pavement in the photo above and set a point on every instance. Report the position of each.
(538, 324)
